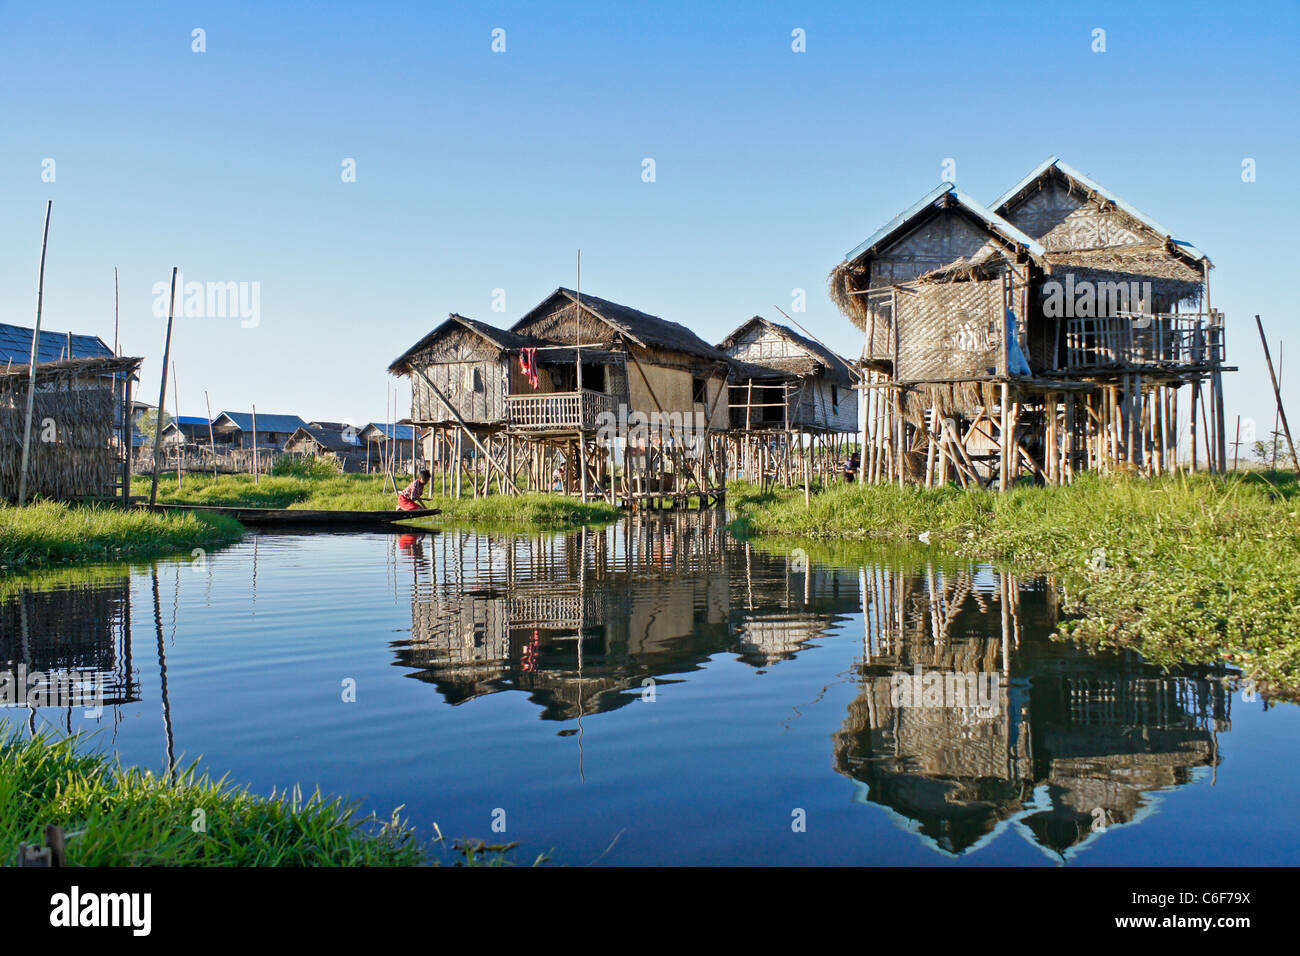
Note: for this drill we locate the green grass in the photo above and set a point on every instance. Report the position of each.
(50, 533)
(128, 817)
(116, 816)
(1190, 568)
(331, 491)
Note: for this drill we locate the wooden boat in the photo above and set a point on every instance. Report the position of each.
(302, 518)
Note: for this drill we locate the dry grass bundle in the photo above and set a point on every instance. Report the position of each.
(949, 399)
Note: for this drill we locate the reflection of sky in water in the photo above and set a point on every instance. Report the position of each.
(672, 692)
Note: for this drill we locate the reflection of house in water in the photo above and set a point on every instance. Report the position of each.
(581, 620)
(1075, 740)
(779, 606)
(70, 636)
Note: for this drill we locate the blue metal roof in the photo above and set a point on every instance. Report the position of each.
(1100, 190)
(401, 432)
(16, 346)
(191, 420)
(265, 423)
(991, 219)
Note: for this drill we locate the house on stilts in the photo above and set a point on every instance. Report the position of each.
(581, 395)
(793, 405)
(1046, 334)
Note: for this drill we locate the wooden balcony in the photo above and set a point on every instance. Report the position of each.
(1133, 340)
(558, 411)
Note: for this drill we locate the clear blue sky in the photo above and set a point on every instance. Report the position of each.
(479, 170)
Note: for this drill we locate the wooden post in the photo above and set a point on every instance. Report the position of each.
(1277, 395)
(176, 404)
(465, 428)
(31, 374)
(212, 443)
(1196, 392)
(162, 393)
(1004, 476)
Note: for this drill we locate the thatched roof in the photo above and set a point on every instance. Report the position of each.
(73, 368)
(502, 339)
(641, 328)
(848, 277)
(817, 360)
(1054, 169)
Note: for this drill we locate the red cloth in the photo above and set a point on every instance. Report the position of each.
(405, 497)
(528, 365)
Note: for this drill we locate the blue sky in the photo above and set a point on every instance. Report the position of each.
(478, 171)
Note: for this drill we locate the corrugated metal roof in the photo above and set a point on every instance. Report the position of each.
(16, 346)
(1100, 190)
(980, 211)
(334, 439)
(402, 432)
(265, 423)
(190, 420)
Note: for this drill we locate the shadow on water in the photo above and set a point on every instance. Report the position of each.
(964, 717)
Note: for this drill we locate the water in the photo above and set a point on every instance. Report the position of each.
(659, 693)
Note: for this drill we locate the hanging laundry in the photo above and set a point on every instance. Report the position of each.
(528, 365)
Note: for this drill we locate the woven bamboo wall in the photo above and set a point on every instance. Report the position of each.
(949, 330)
(78, 415)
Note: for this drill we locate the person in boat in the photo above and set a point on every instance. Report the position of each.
(411, 498)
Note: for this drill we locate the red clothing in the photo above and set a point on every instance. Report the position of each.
(406, 497)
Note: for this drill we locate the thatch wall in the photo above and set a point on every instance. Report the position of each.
(77, 404)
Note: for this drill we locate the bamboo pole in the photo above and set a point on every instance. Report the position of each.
(1277, 394)
(176, 404)
(31, 373)
(212, 443)
(162, 393)
(256, 463)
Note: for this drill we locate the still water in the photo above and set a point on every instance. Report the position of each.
(657, 692)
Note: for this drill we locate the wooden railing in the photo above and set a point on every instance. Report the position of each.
(546, 411)
(1138, 340)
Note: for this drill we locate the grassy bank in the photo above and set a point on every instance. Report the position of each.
(1190, 568)
(324, 489)
(121, 817)
(114, 816)
(50, 533)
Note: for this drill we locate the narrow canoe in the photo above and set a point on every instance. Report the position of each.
(302, 518)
